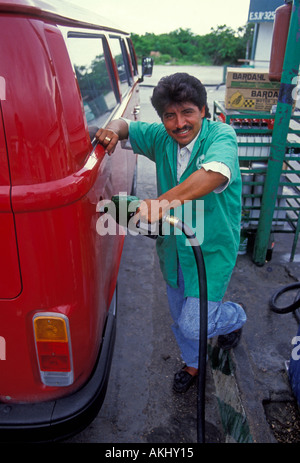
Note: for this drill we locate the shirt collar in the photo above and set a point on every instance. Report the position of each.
(190, 146)
(201, 132)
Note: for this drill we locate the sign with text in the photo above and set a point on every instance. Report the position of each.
(263, 10)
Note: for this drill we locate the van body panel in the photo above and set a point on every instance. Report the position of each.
(46, 135)
(10, 281)
(56, 419)
(59, 12)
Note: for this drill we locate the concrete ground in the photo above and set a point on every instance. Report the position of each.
(263, 391)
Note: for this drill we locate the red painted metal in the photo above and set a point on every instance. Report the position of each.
(279, 39)
(52, 258)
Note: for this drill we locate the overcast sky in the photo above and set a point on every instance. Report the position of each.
(159, 16)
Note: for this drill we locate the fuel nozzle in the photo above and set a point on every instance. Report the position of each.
(125, 208)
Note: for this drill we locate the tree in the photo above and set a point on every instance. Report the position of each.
(222, 45)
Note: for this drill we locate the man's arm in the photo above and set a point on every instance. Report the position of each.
(198, 184)
(110, 135)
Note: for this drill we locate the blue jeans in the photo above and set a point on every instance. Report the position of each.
(223, 318)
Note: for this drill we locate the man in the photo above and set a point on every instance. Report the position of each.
(196, 164)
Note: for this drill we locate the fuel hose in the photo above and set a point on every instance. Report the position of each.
(190, 235)
(288, 308)
(293, 307)
(203, 322)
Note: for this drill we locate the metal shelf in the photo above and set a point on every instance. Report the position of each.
(254, 144)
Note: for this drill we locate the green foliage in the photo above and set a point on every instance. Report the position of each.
(221, 46)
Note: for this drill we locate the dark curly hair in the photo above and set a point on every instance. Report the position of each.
(179, 88)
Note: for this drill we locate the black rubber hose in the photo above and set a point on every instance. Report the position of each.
(290, 308)
(203, 329)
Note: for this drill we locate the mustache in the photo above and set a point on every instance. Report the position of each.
(185, 127)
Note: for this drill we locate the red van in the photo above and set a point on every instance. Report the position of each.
(63, 74)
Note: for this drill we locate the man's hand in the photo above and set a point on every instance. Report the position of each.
(153, 210)
(108, 139)
(147, 211)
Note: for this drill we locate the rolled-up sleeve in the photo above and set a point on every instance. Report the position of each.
(221, 168)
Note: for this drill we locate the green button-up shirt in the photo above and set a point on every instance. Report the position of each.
(215, 218)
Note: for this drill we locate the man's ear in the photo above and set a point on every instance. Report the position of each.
(202, 112)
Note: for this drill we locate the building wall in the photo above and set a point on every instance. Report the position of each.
(263, 46)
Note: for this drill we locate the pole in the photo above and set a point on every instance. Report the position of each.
(280, 132)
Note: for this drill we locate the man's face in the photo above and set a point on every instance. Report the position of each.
(183, 121)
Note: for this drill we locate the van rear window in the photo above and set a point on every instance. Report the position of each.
(88, 58)
(133, 57)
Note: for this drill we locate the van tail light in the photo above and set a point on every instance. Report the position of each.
(53, 348)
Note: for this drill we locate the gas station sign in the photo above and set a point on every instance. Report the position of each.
(263, 10)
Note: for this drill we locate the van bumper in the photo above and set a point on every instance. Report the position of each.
(61, 418)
